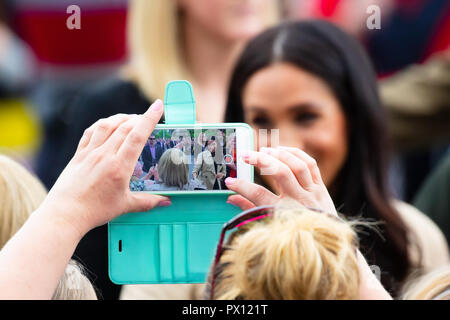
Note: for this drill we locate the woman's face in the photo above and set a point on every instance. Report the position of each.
(304, 110)
(230, 19)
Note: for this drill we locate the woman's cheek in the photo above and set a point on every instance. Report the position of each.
(330, 152)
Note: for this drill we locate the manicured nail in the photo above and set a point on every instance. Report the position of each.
(245, 155)
(157, 105)
(164, 203)
(229, 181)
(230, 201)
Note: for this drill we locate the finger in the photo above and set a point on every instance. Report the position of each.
(252, 192)
(103, 128)
(84, 141)
(297, 166)
(310, 162)
(131, 148)
(142, 202)
(87, 135)
(117, 138)
(278, 171)
(240, 201)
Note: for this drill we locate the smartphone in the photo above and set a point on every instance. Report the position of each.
(193, 158)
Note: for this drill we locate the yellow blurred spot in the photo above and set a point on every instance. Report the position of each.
(20, 129)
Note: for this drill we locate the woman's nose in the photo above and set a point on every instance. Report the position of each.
(288, 138)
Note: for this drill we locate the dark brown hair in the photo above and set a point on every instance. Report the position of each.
(361, 187)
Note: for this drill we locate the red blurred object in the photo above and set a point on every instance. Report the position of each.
(326, 8)
(441, 40)
(101, 39)
(233, 173)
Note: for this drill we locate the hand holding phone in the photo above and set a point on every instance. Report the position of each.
(106, 155)
(92, 189)
(296, 175)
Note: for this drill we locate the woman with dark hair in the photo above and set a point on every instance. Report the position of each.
(315, 84)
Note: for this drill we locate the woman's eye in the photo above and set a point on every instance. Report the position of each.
(306, 117)
(262, 122)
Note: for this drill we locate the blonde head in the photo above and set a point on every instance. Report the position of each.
(173, 168)
(74, 285)
(434, 285)
(155, 44)
(296, 254)
(21, 193)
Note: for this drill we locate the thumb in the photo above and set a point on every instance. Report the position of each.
(141, 202)
(240, 201)
(251, 191)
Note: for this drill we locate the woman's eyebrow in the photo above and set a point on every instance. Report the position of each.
(303, 106)
(257, 109)
(294, 108)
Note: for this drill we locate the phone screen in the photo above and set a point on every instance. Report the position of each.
(181, 159)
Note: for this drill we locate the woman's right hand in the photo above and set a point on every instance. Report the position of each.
(92, 190)
(94, 187)
(296, 174)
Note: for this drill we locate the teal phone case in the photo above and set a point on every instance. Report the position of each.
(174, 244)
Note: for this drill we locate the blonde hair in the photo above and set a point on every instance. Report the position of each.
(155, 45)
(296, 254)
(74, 285)
(21, 193)
(173, 168)
(434, 285)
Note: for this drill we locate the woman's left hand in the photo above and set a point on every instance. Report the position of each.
(296, 174)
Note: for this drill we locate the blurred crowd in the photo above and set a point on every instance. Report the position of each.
(175, 160)
(56, 81)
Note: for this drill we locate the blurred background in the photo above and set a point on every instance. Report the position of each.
(43, 64)
(44, 67)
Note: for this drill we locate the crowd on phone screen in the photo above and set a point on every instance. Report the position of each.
(164, 165)
(309, 79)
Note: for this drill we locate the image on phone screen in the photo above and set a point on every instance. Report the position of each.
(186, 160)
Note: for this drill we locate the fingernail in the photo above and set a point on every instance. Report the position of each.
(264, 150)
(245, 155)
(229, 181)
(164, 203)
(232, 203)
(157, 105)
